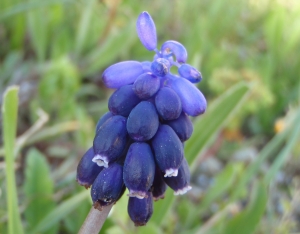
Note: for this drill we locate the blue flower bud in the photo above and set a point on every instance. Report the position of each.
(181, 183)
(108, 186)
(110, 140)
(160, 67)
(168, 150)
(190, 73)
(103, 119)
(146, 85)
(176, 48)
(139, 169)
(159, 186)
(87, 171)
(146, 31)
(168, 103)
(183, 126)
(140, 210)
(142, 122)
(122, 73)
(192, 100)
(146, 66)
(122, 101)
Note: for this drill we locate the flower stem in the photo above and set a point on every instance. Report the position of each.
(94, 221)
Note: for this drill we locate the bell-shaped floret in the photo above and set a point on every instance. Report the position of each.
(168, 103)
(192, 100)
(142, 122)
(181, 183)
(139, 169)
(190, 73)
(183, 126)
(175, 48)
(146, 31)
(122, 101)
(168, 150)
(160, 67)
(110, 141)
(103, 119)
(122, 73)
(87, 170)
(140, 210)
(159, 186)
(108, 186)
(146, 85)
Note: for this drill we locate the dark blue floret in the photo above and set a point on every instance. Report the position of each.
(168, 103)
(146, 85)
(159, 186)
(139, 169)
(168, 150)
(87, 170)
(183, 126)
(142, 122)
(140, 210)
(122, 101)
(181, 183)
(110, 140)
(103, 119)
(108, 186)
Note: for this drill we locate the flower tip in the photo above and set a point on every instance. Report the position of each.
(137, 194)
(101, 161)
(171, 172)
(183, 190)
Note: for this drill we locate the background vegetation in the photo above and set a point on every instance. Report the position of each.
(244, 152)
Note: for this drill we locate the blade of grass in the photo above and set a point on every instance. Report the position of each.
(60, 212)
(284, 153)
(10, 112)
(264, 154)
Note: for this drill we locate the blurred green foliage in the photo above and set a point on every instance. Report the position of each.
(248, 53)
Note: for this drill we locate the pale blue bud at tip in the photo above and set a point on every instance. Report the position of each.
(190, 73)
(192, 100)
(146, 31)
(176, 48)
(122, 73)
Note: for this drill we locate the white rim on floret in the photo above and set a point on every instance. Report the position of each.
(171, 172)
(183, 190)
(137, 194)
(101, 161)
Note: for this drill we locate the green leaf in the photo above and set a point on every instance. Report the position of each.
(269, 150)
(204, 129)
(60, 212)
(10, 112)
(223, 181)
(214, 119)
(38, 189)
(246, 221)
(285, 152)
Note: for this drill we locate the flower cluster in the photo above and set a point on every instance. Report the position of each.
(139, 143)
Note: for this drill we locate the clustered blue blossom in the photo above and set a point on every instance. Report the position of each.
(139, 143)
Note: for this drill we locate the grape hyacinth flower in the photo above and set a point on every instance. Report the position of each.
(139, 143)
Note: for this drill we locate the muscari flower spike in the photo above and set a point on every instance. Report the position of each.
(139, 142)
